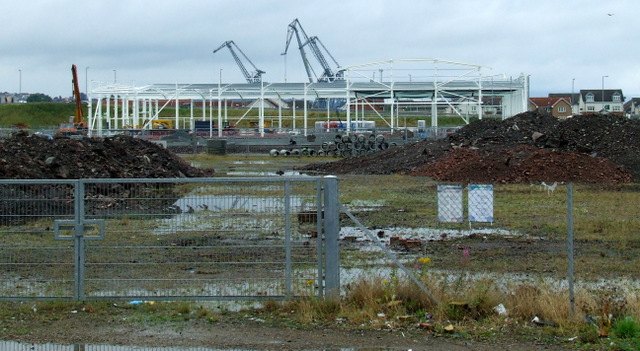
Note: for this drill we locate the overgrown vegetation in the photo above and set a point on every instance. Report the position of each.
(468, 307)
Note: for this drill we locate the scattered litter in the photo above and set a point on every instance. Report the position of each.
(537, 321)
(550, 188)
(501, 310)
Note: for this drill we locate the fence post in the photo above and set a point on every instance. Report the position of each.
(79, 244)
(331, 235)
(570, 245)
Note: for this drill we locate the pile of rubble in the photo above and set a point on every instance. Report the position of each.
(529, 147)
(24, 156)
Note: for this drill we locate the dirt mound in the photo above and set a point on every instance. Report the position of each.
(529, 147)
(521, 165)
(25, 156)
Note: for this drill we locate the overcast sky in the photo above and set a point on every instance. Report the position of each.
(142, 42)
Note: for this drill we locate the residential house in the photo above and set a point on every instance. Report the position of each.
(632, 108)
(574, 99)
(601, 101)
(559, 107)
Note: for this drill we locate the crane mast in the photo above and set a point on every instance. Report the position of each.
(328, 75)
(253, 77)
(79, 116)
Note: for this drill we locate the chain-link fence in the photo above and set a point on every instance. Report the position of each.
(531, 234)
(214, 238)
(254, 238)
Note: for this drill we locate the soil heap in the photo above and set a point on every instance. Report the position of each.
(526, 148)
(24, 156)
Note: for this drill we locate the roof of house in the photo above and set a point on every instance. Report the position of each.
(548, 101)
(571, 97)
(597, 94)
(632, 101)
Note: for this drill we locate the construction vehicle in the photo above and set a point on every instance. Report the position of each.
(328, 74)
(76, 124)
(253, 77)
(267, 129)
(162, 124)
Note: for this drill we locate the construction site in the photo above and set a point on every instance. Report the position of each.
(376, 95)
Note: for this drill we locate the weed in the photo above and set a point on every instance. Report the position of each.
(588, 334)
(626, 328)
(183, 308)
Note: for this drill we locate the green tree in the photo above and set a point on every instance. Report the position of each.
(38, 97)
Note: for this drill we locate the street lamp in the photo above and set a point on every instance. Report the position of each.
(603, 77)
(86, 80)
(20, 82)
(573, 82)
(285, 66)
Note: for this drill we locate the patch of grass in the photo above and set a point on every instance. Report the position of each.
(40, 114)
(626, 328)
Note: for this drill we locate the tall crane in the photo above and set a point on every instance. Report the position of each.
(328, 74)
(76, 124)
(253, 77)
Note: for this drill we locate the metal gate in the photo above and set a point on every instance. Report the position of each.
(168, 239)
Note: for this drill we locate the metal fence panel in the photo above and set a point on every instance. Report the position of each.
(510, 234)
(213, 238)
(33, 264)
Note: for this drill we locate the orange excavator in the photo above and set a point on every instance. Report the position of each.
(76, 124)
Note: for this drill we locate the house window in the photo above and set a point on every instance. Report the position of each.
(562, 109)
(590, 97)
(616, 108)
(616, 97)
(591, 108)
(474, 108)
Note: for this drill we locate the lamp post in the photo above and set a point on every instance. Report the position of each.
(285, 66)
(86, 80)
(603, 77)
(19, 82)
(573, 82)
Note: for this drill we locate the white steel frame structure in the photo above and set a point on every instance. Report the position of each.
(432, 84)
